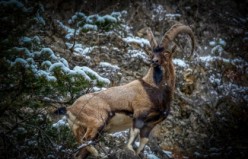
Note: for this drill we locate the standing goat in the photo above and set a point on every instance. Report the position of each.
(139, 105)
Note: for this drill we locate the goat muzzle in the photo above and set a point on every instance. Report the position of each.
(154, 62)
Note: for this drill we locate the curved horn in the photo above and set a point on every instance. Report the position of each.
(172, 33)
(151, 38)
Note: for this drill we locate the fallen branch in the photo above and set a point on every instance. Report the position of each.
(83, 145)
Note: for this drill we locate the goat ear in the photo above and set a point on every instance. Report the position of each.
(151, 38)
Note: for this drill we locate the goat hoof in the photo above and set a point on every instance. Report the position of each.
(130, 148)
(140, 155)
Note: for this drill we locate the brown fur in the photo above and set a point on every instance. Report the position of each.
(139, 105)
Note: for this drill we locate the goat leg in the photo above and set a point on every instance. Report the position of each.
(92, 150)
(133, 134)
(144, 137)
(89, 137)
(143, 142)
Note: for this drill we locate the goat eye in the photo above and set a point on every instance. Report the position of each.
(166, 56)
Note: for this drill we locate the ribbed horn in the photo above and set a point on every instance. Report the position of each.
(175, 30)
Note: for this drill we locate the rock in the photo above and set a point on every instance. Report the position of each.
(104, 57)
(189, 82)
(47, 40)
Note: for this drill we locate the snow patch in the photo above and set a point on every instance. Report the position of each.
(218, 49)
(61, 123)
(70, 31)
(222, 42)
(141, 41)
(64, 61)
(20, 61)
(159, 12)
(151, 156)
(180, 62)
(80, 49)
(234, 90)
(237, 92)
(52, 62)
(98, 77)
(168, 153)
(110, 66)
(90, 27)
(206, 58)
(214, 80)
(78, 15)
(76, 45)
(238, 62)
(110, 18)
(40, 19)
(23, 50)
(78, 70)
(83, 51)
(120, 134)
(49, 52)
(97, 89)
(218, 41)
(212, 43)
(138, 54)
(59, 65)
(172, 15)
(25, 40)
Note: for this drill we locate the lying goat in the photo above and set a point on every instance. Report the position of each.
(139, 105)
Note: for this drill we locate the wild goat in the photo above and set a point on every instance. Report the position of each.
(138, 105)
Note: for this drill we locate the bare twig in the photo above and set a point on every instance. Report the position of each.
(83, 145)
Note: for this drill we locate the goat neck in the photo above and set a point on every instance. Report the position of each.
(161, 76)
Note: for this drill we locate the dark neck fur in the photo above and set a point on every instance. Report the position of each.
(157, 75)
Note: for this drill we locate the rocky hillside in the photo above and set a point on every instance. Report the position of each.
(54, 52)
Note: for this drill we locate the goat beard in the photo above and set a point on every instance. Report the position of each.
(157, 74)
